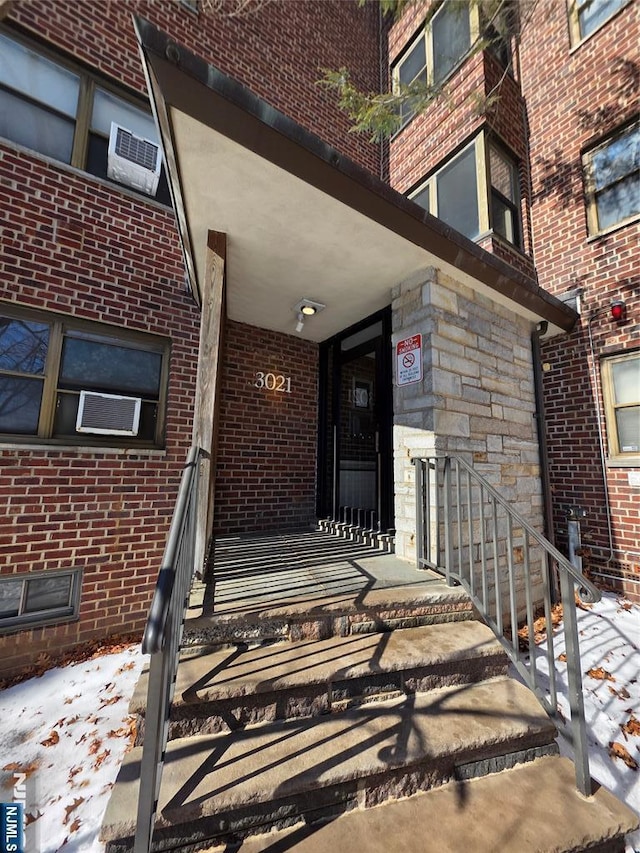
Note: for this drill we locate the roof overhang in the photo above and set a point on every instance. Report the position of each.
(300, 219)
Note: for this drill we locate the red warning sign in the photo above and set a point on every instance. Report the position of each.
(409, 360)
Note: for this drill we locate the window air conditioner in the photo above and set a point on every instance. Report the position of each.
(133, 161)
(108, 414)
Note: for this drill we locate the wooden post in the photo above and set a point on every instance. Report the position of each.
(207, 383)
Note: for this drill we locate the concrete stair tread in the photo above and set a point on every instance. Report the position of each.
(230, 672)
(531, 807)
(443, 729)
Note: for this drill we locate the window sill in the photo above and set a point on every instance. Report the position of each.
(87, 176)
(92, 448)
(624, 223)
(617, 462)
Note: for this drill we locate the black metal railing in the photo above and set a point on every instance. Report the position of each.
(467, 531)
(161, 640)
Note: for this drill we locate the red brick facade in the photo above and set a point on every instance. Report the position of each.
(557, 101)
(265, 476)
(79, 246)
(575, 97)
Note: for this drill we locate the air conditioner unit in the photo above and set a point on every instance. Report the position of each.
(133, 161)
(108, 414)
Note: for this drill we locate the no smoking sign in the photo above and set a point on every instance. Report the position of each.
(409, 360)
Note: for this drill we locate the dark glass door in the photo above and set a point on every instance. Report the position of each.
(355, 483)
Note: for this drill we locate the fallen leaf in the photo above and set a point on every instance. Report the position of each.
(93, 719)
(16, 767)
(68, 809)
(631, 727)
(94, 746)
(70, 699)
(617, 750)
(562, 657)
(101, 758)
(75, 826)
(29, 818)
(110, 701)
(52, 740)
(123, 731)
(74, 772)
(60, 723)
(108, 687)
(125, 667)
(600, 674)
(73, 720)
(622, 693)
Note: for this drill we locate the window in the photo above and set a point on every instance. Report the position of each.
(63, 112)
(435, 53)
(621, 391)
(505, 216)
(613, 180)
(444, 41)
(47, 361)
(586, 16)
(39, 598)
(459, 194)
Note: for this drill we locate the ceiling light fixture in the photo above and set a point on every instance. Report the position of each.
(306, 308)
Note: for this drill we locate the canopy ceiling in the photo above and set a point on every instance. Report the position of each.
(300, 220)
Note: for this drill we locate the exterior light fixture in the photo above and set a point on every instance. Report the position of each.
(306, 308)
(618, 311)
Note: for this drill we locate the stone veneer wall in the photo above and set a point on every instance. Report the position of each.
(476, 398)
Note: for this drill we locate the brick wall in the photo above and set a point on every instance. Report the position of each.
(429, 139)
(278, 52)
(76, 245)
(575, 97)
(88, 251)
(266, 461)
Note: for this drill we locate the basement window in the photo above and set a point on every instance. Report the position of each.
(35, 599)
(53, 366)
(60, 110)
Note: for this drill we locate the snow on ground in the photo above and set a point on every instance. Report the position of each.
(68, 730)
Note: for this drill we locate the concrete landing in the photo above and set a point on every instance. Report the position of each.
(267, 775)
(532, 808)
(313, 585)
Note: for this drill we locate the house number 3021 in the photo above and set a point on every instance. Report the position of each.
(273, 382)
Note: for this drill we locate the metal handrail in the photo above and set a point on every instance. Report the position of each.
(469, 532)
(162, 637)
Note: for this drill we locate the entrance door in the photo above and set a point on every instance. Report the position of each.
(356, 409)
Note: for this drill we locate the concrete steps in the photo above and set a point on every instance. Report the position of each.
(531, 808)
(337, 699)
(218, 689)
(233, 784)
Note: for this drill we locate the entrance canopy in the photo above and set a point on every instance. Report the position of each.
(300, 219)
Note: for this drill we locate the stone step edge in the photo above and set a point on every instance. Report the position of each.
(458, 816)
(208, 630)
(527, 734)
(466, 652)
